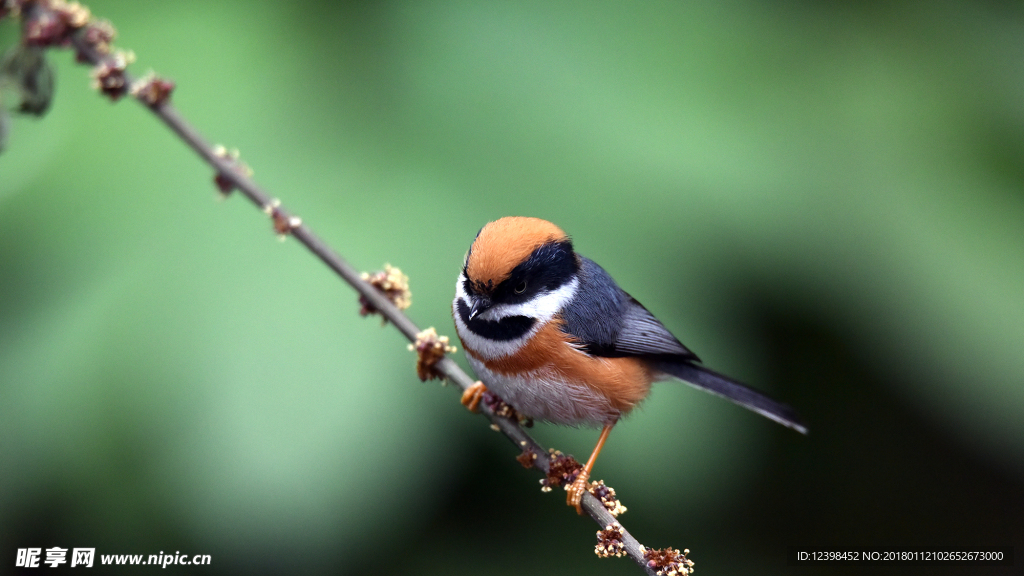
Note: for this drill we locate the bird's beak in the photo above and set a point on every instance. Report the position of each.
(479, 306)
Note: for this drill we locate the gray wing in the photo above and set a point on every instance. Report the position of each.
(607, 321)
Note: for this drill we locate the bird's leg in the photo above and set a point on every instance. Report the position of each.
(579, 486)
(471, 397)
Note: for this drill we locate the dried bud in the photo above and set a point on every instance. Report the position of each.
(73, 13)
(26, 69)
(108, 76)
(668, 561)
(151, 89)
(609, 542)
(505, 410)
(50, 23)
(98, 35)
(283, 222)
(224, 183)
(606, 494)
(527, 458)
(283, 225)
(430, 348)
(44, 26)
(392, 284)
(562, 470)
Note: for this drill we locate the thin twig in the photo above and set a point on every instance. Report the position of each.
(451, 371)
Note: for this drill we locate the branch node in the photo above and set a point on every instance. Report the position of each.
(668, 561)
(528, 458)
(390, 282)
(430, 348)
(562, 471)
(609, 542)
(108, 76)
(76, 14)
(98, 35)
(606, 494)
(51, 23)
(151, 90)
(283, 223)
(225, 184)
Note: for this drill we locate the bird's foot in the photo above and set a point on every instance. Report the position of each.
(471, 397)
(577, 489)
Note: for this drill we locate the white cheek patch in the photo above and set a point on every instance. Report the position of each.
(542, 308)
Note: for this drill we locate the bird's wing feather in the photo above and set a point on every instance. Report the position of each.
(606, 321)
(642, 334)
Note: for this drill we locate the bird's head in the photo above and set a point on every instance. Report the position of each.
(518, 269)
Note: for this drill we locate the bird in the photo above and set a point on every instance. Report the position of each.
(552, 334)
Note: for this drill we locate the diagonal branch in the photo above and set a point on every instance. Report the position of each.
(228, 169)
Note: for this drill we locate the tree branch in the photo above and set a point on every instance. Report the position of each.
(91, 41)
(452, 372)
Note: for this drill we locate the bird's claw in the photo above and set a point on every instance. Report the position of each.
(471, 397)
(577, 489)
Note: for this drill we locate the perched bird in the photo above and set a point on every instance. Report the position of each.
(551, 333)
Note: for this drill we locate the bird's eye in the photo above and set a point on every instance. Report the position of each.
(521, 287)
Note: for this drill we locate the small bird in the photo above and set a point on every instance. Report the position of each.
(551, 333)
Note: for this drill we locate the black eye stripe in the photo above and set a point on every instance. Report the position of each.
(549, 267)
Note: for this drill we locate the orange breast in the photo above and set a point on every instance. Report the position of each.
(623, 381)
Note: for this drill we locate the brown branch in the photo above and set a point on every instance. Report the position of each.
(91, 43)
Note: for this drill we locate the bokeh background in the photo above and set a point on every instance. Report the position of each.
(825, 200)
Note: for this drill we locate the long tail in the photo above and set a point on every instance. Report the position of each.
(713, 382)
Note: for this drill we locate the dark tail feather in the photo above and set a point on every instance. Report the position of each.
(729, 389)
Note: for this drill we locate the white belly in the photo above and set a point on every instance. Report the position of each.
(543, 395)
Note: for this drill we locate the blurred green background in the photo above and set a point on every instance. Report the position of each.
(825, 200)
